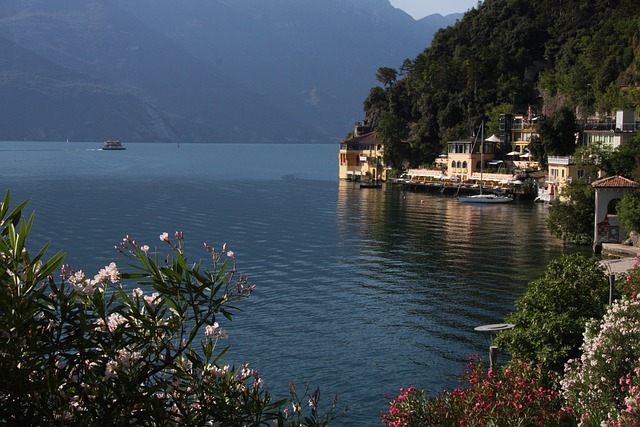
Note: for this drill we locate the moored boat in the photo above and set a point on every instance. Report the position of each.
(111, 144)
(485, 198)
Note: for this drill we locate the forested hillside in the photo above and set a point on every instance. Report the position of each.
(502, 57)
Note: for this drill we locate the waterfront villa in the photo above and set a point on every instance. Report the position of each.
(609, 131)
(360, 156)
(562, 170)
(464, 157)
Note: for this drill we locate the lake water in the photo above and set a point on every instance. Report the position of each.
(359, 291)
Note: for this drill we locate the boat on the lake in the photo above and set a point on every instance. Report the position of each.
(484, 198)
(112, 144)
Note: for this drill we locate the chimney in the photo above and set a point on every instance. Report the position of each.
(359, 129)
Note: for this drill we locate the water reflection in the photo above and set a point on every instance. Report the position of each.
(434, 268)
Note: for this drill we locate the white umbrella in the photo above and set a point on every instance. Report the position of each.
(513, 153)
(517, 182)
(526, 155)
(493, 138)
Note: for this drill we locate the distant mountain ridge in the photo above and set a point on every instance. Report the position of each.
(244, 70)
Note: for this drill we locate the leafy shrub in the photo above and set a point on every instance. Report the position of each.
(518, 395)
(554, 310)
(571, 219)
(629, 211)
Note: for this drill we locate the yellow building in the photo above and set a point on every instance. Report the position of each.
(360, 157)
(516, 130)
(563, 170)
(464, 157)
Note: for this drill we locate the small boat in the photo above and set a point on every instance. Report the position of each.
(485, 198)
(111, 144)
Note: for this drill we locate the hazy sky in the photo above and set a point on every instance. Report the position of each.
(421, 8)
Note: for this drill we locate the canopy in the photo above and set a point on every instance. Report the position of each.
(525, 155)
(493, 138)
(513, 153)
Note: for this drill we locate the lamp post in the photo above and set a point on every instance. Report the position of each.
(586, 115)
(491, 330)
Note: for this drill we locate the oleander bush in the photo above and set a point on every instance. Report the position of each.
(520, 394)
(83, 350)
(603, 385)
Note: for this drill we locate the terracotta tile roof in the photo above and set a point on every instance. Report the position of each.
(614, 182)
(371, 138)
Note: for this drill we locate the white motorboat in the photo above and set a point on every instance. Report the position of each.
(112, 145)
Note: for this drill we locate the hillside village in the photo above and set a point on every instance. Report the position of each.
(516, 101)
(473, 164)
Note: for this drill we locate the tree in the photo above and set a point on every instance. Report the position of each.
(552, 313)
(629, 211)
(393, 133)
(387, 76)
(571, 218)
(622, 160)
(556, 135)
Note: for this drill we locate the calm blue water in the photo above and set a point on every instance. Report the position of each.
(360, 292)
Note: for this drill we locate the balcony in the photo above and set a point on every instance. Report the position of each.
(561, 160)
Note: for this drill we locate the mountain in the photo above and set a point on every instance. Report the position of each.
(156, 70)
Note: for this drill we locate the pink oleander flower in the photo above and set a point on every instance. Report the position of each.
(85, 287)
(110, 370)
(114, 320)
(212, 330)
(77, 277)
(218, 372)
(136, 293)
(127, 358)
(230, 254)
(164, 237)
(145, 249)
(153, 298)
(108, 273)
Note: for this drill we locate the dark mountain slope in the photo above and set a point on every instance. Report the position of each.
(218, 70)
(43, 101)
